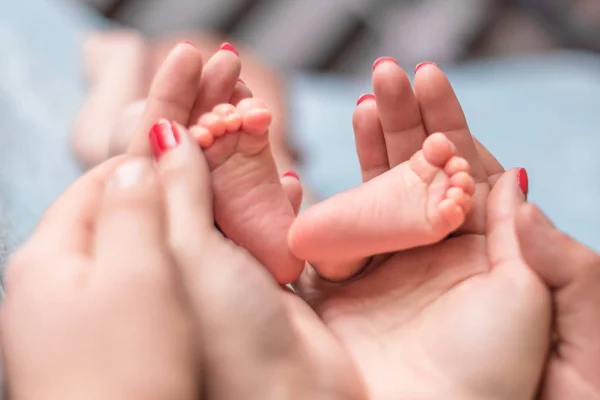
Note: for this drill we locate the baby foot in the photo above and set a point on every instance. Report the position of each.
(418, 202)
(115, 64)
(250, 205)
(437, 174)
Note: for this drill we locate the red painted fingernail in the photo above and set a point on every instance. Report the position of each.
(163, 137)
(241, 81)
(367, 96)
(418, 67)
(523, 181)
(291, 174)
(229, 47)
(384, 59)
(189, 43)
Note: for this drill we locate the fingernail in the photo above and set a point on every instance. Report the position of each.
(367, 96)
(384, 59)
(229, 47)
(241, 81)
(130, 173)
(421, 65)
(291, 174)
(163, 137)
(523, 181)
(188, 43)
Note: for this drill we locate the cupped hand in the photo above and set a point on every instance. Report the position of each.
(93, 307)
(464, 318)
(128, 291)
(258, 340)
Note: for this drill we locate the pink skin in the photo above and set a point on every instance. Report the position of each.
(463, 318)
(573, 272)
(174, 81)
(249, 199)
(433, 189)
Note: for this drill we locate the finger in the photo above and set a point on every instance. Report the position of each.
(293, 190)
(503, 203)
(219, 79)
(68, 226)
(185, 176)
(557, 258)
(369, 139)
(240, 93)
(67, 229)
(186, 179)
(573, 272)
(398, 109)
(131, 223)
(523, 294)
(441, 112)
(172, 94)
(219, 276)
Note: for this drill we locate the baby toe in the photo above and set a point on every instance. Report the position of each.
(202, 136)
(214, 123)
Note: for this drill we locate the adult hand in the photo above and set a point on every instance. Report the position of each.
(572, 271)
(94, 307)
(183, 88)
(109, 320)
(258, 340)
(464, 318)
(267, 83)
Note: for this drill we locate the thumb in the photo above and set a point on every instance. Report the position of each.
(573, 271)
(553, 255)
(503, 203)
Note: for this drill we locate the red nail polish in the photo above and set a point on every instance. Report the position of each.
(291, 174)
(163, 137)
(523, 181)
(229, 47)
(241, 81)
(188, 43)
(424, 64)
(384, 59)
(364, 97)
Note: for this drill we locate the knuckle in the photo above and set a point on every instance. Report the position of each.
(174, 169)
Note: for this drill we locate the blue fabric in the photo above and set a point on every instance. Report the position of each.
(41, 88)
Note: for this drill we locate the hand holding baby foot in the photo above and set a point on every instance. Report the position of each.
(250, 204)
(463, 318)
(257, 340)
(150, 302)
(431, 192)
(184, 88)
(189, 92)
(122, 104)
